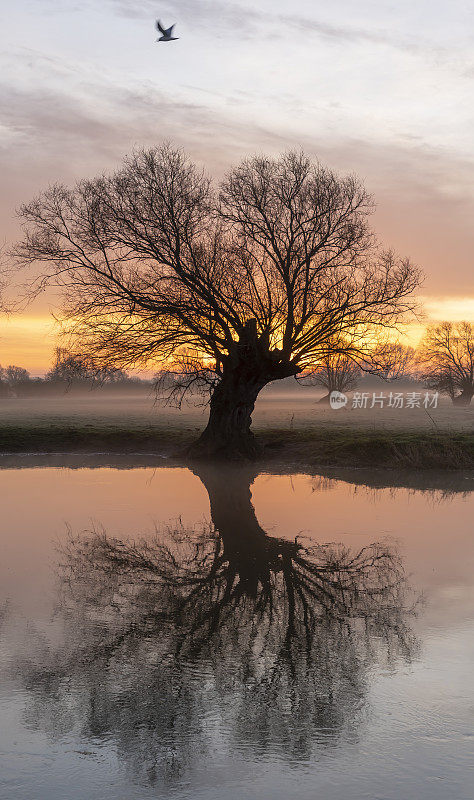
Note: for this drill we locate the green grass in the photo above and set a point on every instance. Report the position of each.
(311, 447)
(49, 438)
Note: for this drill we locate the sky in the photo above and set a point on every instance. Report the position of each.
(382, 89)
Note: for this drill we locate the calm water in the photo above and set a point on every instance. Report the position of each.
(227, 635)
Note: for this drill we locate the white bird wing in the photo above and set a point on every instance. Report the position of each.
(159, 27)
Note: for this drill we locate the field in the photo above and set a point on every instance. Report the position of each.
(292, 425)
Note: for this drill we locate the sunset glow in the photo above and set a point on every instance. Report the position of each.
(29, 341)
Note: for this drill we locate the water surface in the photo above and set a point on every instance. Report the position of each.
(233, 635)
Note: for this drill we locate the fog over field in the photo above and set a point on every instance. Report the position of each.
(287, 406)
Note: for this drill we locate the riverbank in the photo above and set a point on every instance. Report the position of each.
(295, 431)
(312, 447)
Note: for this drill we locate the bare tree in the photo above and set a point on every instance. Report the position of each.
(252, 283)
(12, 379)
(68, 367)
(341, 372)
(446, 356)
(336, 372)
(14, 375)
(392, 361)
(71, 368)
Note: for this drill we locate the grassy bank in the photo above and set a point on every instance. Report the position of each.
(312, 447)
(57, 437)
(378, 448)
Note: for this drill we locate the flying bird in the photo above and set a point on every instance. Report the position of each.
(166, 33)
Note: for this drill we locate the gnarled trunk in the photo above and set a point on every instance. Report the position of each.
(245, 372)
(227, 434)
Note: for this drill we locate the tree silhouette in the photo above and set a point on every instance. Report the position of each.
(267, 638)
(336, 372)
(446, 354)
(70, 368)
(231, 289)
(394, 361)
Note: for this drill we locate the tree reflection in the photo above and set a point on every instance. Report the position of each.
(220, 638)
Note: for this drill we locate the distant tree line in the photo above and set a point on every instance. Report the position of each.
(69, 370)
(443, 362)
(72, 368)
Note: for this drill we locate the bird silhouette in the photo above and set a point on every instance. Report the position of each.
(166, 33)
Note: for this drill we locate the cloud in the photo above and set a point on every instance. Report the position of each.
(349, 34)
(80, 124)
(455, 309)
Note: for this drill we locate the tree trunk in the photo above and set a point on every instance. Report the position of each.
(227, 434)
(464, 399)
(230, 501)
(253, 556)
(245, 372)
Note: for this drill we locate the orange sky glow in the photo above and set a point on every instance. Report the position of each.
(29, 340)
